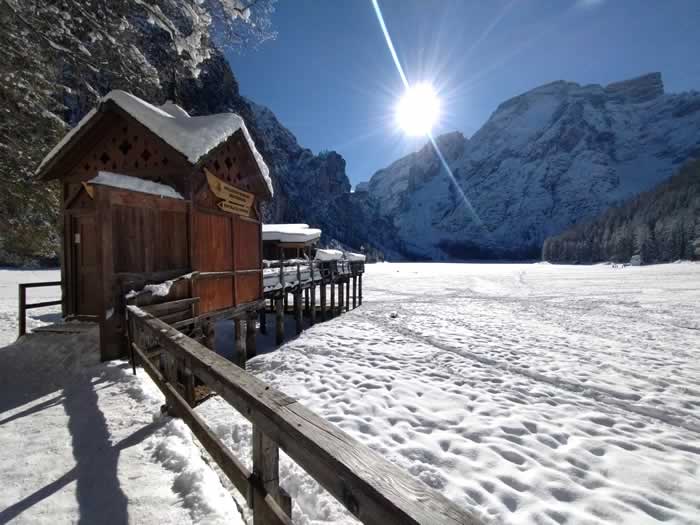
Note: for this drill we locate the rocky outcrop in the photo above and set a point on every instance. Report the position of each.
(544, 160)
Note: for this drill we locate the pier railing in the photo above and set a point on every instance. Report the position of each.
(370, 487)
(23, 306)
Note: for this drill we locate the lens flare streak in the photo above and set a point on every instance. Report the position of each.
(404, 79)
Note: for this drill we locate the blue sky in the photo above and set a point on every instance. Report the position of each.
(330, 79)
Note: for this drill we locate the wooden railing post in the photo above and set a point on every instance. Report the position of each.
(22, 310)
(266, 472)
(23, 306)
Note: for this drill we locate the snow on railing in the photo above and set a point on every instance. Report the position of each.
(283, 274)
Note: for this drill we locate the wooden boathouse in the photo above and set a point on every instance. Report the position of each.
(162, 237)
(289, 241)
(150, 193)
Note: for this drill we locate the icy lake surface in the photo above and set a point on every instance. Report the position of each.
(528, 393)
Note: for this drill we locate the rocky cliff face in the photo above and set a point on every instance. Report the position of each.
(61, 57)
(544, 160)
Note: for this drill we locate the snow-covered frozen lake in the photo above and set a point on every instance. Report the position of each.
(528, 393)
(531, 393)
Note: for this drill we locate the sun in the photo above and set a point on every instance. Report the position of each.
(418, 110)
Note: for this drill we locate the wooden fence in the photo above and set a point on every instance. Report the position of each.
(370, 487)
(23, 306)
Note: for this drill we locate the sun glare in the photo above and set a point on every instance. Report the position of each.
(418, 110)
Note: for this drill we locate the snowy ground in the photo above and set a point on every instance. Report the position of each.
(528, 393)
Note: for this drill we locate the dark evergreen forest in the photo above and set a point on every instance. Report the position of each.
(661, 225)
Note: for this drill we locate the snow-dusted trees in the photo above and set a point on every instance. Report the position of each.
(661, 225)
(59, 57)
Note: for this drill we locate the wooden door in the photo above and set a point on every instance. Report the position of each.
(86, 281)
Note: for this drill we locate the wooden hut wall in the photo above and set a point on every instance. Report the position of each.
(224, 242)
(142, 237)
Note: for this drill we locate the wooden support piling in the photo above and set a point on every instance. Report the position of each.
(360, 290)
(313, 295)
(240, 341)
(306, 301)
(323, 299)
(263, 321)
(298, 319)
(279, 320)
(354, 291)
(209, 335)
(341, 288)
(332, 283)
(250, 345)
(347, 294)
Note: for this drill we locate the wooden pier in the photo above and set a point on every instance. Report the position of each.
(302, 278)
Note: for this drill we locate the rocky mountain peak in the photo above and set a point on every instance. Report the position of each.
(545, 159)
(640, 89)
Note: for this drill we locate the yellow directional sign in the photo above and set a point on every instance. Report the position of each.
(233, 200)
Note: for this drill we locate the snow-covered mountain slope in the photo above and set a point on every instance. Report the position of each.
(543, 161)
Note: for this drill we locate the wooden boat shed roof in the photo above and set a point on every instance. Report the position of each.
(192, 137)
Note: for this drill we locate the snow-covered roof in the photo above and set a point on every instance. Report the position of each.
(194, 137)
(289, 233)
(328, 255)
(117, 180)
(354, 257)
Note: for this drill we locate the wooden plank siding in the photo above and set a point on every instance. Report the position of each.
(137, 236)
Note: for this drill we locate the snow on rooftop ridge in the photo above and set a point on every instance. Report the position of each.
(117, 180)
(328, 255)
(354, 257)
(289, 233)
(194, 137)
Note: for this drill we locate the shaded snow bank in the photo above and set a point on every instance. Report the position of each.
(93, 443)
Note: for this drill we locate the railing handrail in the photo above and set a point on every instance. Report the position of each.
(23, 306)
(370, 487)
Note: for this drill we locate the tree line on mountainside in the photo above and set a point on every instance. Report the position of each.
(661, 225)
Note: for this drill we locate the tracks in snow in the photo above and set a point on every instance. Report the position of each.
(601, 395)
